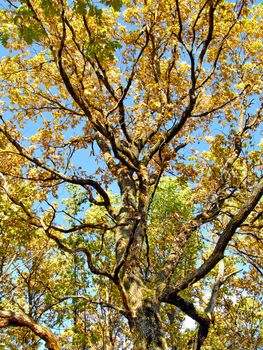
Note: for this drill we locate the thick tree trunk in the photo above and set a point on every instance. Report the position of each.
(145, 321)
(140, 301)
(147, 328)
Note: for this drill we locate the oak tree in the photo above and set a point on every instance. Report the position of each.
(119, 95)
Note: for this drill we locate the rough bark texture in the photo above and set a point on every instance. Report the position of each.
(146, 326)
(18, 319)
(141, 302)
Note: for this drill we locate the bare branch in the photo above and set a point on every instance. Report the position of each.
(218, 283)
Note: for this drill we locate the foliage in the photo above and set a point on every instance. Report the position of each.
(160, 103)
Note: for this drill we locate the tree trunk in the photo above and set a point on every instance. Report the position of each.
(147, 328)
(145, 321)
(141, 302)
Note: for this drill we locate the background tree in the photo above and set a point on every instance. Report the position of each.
(120, 95)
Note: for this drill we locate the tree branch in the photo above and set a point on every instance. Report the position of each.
(189, 309)
(18, 319)
(41, 164)
(222, 243)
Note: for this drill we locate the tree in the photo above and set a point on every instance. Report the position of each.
(120, 95)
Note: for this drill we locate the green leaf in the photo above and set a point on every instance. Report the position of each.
(95, 12)
(49, 7)
(4, 38)
(29, 29)
(115, 4)
(80, 6)
(102, 47)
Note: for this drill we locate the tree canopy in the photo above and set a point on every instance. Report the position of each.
(131, 174)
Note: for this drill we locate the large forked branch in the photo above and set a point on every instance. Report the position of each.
(189, 309)
(170, 134)
(119, 151)
(202, 218)
(38, 222)
(203, 318)
(41, 164)
(18, 319)
(84, 250)
(218, 252)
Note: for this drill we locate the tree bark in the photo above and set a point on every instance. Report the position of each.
(144, 320)
(18, 319)
(141, 303)
(146, 327)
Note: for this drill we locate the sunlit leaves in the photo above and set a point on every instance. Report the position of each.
(99, 94)
(80, 6)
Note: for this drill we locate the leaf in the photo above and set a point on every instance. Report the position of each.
(4, 38)
(101, 47)
(80, 6)
(50, 7)
(115, 4)
(29, 30)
